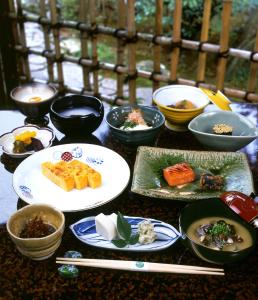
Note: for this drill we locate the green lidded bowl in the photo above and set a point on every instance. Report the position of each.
(152, 116)
(208, 208)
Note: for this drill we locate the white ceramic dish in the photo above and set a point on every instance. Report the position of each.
(85, 231)
(45, 135)
(33, 187)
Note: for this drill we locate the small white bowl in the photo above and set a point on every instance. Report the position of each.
(45, 135)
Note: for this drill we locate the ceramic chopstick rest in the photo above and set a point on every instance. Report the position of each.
(70, 271)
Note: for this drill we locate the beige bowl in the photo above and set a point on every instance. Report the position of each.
(37, 248)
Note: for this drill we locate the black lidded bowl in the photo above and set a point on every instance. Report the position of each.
(77, 114)
(152, 116)
(213, 208)
(31, 109)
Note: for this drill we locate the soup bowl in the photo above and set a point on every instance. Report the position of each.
(34, 100)
(176, 118)
(77, 115)
(152, 116)
(37, 248)
(213, 208)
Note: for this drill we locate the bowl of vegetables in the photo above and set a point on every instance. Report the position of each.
(180, 104)
(215, 233)
(25, 140)
(135, 124)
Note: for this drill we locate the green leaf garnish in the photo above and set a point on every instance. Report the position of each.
(119, 243)
(123, 227)
(134, 239)
(128, 124)
(220, 227)
(125, 231)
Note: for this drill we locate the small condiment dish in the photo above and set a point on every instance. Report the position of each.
(45, 135)
(244, 131)
(38, 248)
(151, 115)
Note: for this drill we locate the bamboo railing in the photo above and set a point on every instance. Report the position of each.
(126, 55)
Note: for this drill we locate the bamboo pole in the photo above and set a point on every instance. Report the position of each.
(58, 55)
(84, 44)
(22, 39)
(145, 37)
(94, 54)
(121, 22)
(160, 40)
(157, 48)
(251, 97)
(15, 32)
(252, 80)
(204, 38)
(42, 14)
(131, 51)
(224, 43)
(177, 17)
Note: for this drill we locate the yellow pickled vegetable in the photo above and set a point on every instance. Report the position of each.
(25, 137)
(35, 99)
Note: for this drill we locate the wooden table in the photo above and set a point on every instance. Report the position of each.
(21, 278)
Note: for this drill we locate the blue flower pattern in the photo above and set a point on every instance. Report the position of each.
(26, 191)
(95, 160)
(78, 153)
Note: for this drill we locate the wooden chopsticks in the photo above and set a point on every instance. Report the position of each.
(139, 266)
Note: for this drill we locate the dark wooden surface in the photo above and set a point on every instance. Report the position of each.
(21, 278)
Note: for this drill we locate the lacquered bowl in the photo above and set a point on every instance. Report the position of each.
(77, 115)
(171, 94)
(244, 131)
(213, 208)
(35, 110)
(152, 116)
(37, 248)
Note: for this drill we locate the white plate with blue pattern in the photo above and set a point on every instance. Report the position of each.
(167, 235)
(33, 187)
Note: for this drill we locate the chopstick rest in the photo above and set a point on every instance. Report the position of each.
(140, 266)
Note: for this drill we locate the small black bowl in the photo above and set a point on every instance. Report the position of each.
(35, 111)
(77, 115)
(213, 208)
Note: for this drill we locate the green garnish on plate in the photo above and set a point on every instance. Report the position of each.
(125, 231)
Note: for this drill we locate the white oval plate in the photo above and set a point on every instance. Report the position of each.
(45, 135)
(85, 231)
(33, 187)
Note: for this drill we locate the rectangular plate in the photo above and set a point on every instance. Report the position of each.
(148, 178)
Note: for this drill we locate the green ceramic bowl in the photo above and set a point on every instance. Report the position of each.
(152, 116)
(212, 208)
(244, 131)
